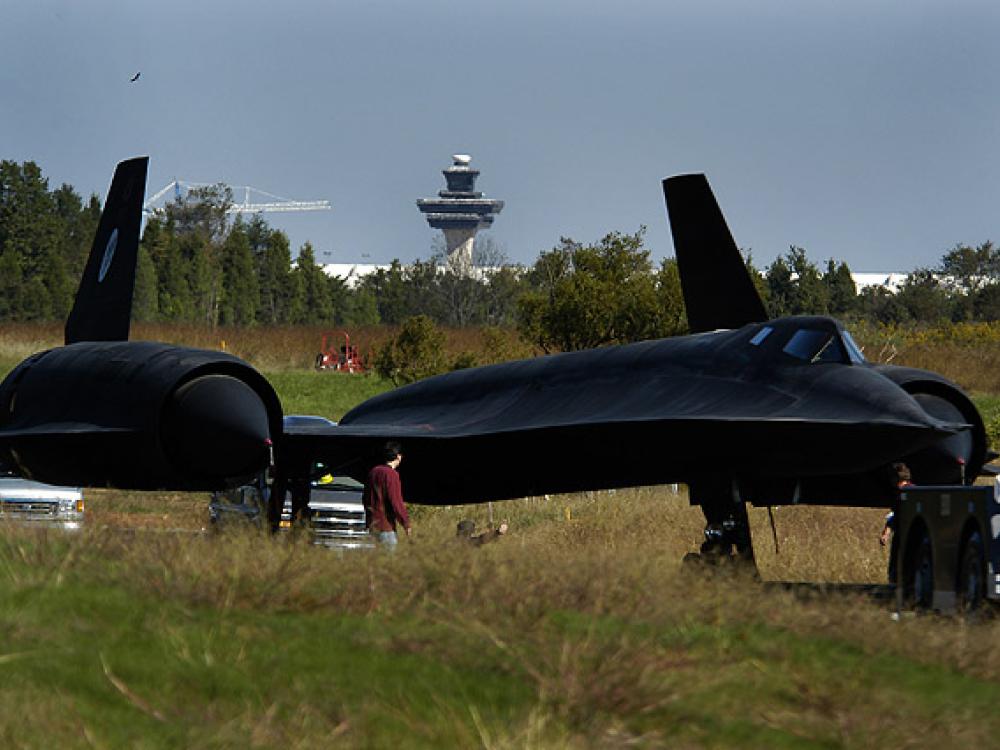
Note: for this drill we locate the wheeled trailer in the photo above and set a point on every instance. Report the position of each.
(947, 550)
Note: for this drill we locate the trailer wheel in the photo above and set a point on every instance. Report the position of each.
(971, 585)
(920, 576)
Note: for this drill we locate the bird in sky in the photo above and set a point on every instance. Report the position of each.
(135, 78)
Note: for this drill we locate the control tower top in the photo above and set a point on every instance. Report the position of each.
(460, 210)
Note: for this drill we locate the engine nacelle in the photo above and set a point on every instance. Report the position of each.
(137, 415)
(958, 458)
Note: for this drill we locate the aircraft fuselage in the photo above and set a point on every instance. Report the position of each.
(780, 406)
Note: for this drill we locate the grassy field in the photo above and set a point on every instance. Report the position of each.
(579, 629)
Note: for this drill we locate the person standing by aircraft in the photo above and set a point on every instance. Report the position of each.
(383, 497)
(901, 474)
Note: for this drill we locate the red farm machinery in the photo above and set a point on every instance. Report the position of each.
(344, 358)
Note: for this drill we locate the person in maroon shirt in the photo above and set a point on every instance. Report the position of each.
(383, 497)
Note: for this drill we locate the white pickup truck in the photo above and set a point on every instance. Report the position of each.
(25, 501)
(334, 516)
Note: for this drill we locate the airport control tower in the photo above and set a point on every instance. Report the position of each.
(460, 211)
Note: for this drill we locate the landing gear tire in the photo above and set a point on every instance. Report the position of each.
(970, 589)
(920, 575)
(726, 543)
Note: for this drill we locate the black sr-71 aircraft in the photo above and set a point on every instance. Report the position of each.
(104, 411)
(745, 409)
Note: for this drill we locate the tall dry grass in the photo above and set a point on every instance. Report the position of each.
(272, 347)
(974, 367)
(656, 524)
(19, 340)
(586, 603)
(268, 348)
(967, 353)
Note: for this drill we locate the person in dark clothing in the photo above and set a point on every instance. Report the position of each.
(383, 497)
(900, 474)
(466, 527)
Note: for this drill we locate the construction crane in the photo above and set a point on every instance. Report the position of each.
(272, 203)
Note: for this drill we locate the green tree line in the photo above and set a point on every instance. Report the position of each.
(45, 236)
(197, 265)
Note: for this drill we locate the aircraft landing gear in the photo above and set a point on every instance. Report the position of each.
(731, 538)
(727, 527)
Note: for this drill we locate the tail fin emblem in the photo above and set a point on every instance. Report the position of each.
(109, 255)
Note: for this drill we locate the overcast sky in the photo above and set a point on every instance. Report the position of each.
(865, 131)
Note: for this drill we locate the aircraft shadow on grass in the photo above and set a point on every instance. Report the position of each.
(745, 409)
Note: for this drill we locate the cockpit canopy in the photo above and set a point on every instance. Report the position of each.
(811, 340)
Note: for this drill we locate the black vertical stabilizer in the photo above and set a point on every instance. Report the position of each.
(718, 291)
(103, 306)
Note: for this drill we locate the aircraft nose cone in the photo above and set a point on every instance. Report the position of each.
(216, 426)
